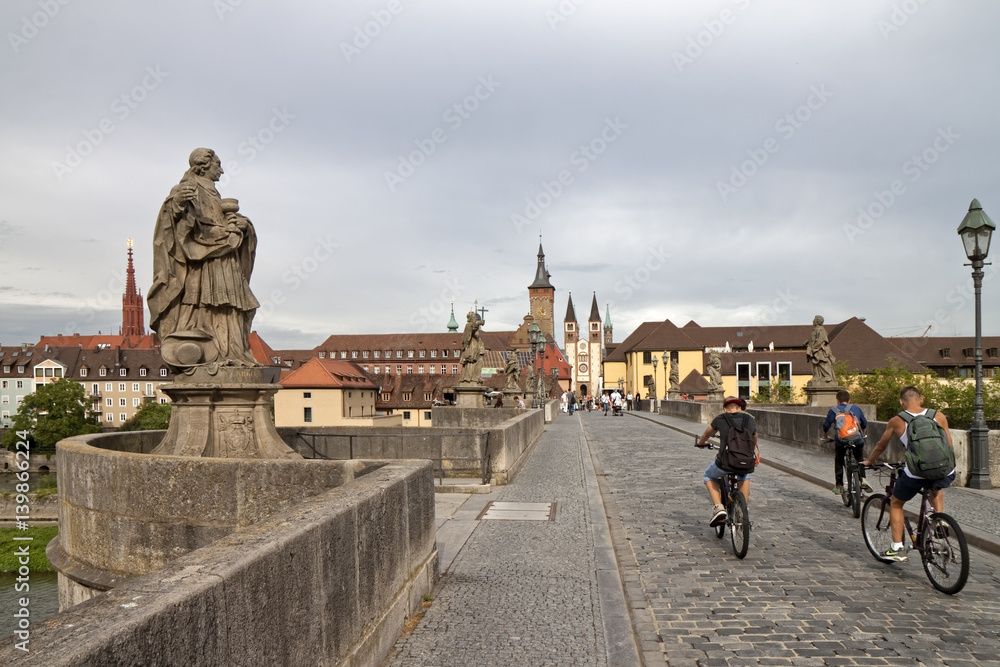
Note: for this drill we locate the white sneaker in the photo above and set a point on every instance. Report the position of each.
(719, 515)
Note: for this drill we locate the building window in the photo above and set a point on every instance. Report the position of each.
(142, 372)
(647, 357)
(343, 354)
(121, 386)
(946, 353)
(409, 370)
(399, 370)
(388, 354)
(444, 353)
(456, 354)
(430, 369)
(307, 394)
(420, 369)
(428, 396)
(307, 415)
(122, 417)
(434, 354)
(364, 354)
(365, 368)
(6, 414)
(6, 369)
(406, 415)
(423, 353)
(322, 354)
(102, 372)
(377, 369)
(95, 389)
(149, 389)
(135, 387)
(135, 402)
(427, 415)
(20, 369)
(163, 372)
(5, 399)
(110, 417)
(454, 369)
(163, 401)
(387, 371)
(409, 354)
(354, 354)
(4, 384)
(83, 372)
(377, 353)
(968, 352)
(784, 373)
(107, 386)
(399, 354)
(385, 397)
(20, 384)
(121, 402)
(407, 395)
(122, 372)
(991, 352)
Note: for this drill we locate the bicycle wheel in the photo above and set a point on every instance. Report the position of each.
(945, 553)
(739, 528)
(875, 526)
(854, 487)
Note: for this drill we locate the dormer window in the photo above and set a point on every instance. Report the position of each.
(968, 352)
(946, 353)
(83, 372)
(991, 352)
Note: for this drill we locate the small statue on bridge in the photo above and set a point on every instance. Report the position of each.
(472, 350)
(512, 374)
(820, 355)
(714, 374)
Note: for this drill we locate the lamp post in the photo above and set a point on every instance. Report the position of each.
(621, 385)
(666, 378)
(534, 331)
(539, 380)
(976, 230)
(652, 404)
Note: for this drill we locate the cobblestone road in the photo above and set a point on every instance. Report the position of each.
(522, 592)
(808, 592)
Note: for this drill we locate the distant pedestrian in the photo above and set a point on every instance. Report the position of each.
(605, 403)
(520, 402)
(628, 401)
(499, 401)
(564, 401)
(572, 402)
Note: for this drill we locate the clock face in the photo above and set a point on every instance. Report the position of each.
(541, 312)
(583, 368)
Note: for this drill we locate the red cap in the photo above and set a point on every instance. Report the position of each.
(732, 399)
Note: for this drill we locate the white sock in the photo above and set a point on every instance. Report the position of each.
(896, 546)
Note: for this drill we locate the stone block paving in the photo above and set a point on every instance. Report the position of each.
(522, 592)
(808, 592)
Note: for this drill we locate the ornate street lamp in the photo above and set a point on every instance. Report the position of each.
(534, 331)
(652, 404)
(540, 381)
(976, 230)
(666, 379)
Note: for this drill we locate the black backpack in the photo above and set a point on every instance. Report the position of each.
(928, 453)
(738, 453)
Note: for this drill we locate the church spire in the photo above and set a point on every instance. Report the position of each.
(133, 315)
(453, 323)
(541, 273)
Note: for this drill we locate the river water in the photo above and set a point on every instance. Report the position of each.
(43, 600)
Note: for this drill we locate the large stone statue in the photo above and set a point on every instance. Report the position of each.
(714, 374)
(675, 377)
(203, 254)
(202, 307)
(820, 355)
(511, 375)
(472, 350)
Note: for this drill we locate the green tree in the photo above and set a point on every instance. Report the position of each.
(55, 411)
(777, 393)
(149, 417)
(881, 388)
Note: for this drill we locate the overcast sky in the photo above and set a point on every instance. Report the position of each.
(731, 161)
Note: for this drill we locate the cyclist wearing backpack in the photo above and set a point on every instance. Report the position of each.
(930, 460)
(727, 461)
(851, 427)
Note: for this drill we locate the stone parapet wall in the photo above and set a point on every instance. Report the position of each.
(696, 411)
(330, 580)
(44, 509)
(123, 514)
(459, 437)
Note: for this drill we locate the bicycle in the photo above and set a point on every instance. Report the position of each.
(943, 549)
(851, 494)
(738, 516)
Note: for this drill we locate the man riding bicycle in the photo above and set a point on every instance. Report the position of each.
(857, 444)
(714, 473)
(909, 484)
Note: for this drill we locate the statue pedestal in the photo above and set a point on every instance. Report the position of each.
(823, 396)
(470, 395)
(674, 395)
(716, 396)
(226, 414)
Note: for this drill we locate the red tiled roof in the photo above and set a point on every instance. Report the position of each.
(327, 373)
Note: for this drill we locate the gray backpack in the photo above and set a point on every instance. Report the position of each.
(928, 453)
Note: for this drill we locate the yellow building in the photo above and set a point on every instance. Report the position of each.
(325, 392)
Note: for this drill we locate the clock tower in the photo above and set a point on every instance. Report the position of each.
(542, 297)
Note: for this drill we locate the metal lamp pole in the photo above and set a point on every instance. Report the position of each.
(534, 331)
(652, 403)
(666, 377)
(976, 230)
(539, 381)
